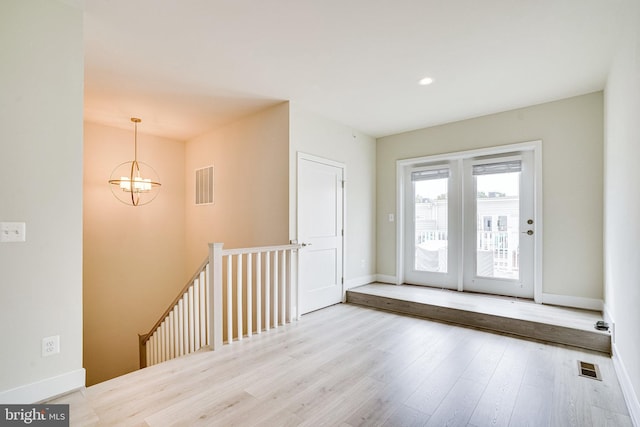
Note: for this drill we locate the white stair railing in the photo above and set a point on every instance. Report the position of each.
(234, 294)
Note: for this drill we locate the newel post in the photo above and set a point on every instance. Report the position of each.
(142, 349)
(296, 278)
(215, 295)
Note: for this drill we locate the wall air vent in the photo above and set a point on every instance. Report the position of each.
(204, 186)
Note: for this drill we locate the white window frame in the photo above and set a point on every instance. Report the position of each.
(460, 156)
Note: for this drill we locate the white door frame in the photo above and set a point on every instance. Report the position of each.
(328, 162)
(401, 165)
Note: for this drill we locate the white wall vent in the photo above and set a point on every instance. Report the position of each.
(204, 186)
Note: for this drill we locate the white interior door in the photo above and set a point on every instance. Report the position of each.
(320, 231)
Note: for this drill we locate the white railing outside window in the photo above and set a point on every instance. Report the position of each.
(501, 247)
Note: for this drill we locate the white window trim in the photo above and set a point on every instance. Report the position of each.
(402, 165)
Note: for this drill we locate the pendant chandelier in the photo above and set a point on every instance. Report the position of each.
(134, 183)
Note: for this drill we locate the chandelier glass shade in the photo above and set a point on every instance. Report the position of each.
(134, 183)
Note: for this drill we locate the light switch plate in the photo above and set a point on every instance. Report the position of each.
(13, 232)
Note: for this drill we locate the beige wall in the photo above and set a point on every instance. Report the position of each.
(319, 136)
(250, 159)
(134, 257)
(41, 84)
(571, 131)
(622, 206)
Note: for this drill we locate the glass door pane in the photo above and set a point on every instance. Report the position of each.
(498, 219)
(431, 212)
(431, 216)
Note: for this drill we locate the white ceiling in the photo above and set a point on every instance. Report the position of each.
(188, 66)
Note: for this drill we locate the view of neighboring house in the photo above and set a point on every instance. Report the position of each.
(497, 228)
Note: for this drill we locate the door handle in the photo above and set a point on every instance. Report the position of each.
(529, 232)
(306, 244)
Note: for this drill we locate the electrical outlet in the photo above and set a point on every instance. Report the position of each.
(50, 345)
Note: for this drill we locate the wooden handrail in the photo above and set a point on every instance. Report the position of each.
(242, 251)
(145, 337)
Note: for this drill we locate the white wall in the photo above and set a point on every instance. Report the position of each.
(134, 257)
(622, 207)
(250, 159)
(316, 135)
(571, 131)
(41, 82)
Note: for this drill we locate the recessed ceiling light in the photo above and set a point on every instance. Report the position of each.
(425, 81)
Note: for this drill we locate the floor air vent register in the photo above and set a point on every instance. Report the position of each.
(589, 370)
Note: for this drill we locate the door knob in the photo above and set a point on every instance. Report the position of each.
(306, 244)
(529, 232)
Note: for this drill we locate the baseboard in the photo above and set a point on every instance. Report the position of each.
(630, 396)
(44, 389)
(359, 281)
(575, 302)
(383, 278)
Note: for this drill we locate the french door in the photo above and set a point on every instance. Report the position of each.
(470, 223)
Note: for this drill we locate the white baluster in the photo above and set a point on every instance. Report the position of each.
(196, 315)
(185, 322)
(283, 288)
(181, 327)
(166, 338)
(159, 338)
(159, 345)
(192, 342)
(161, 329)
(267, 290)
(170, 341)
(176, 329)
(155, 347)
(258, 293)
(289, 286)
(151, 344)
(229, 299)
(249, 295)
(203, 313)
(148, 352)
(156, 354)
(276, 284)
(239, 312)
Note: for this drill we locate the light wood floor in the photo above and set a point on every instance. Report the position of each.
(353, 366)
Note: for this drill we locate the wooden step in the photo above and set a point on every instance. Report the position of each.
(522, 318)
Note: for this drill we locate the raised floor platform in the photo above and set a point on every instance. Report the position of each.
(523, 318)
